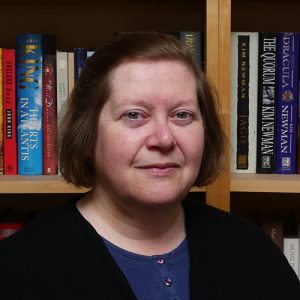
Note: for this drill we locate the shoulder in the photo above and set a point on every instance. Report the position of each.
(226, 230)
(240, 252)
(48, 224)
(214, 218)
(52, 232)
(54, 249)
(219, 221)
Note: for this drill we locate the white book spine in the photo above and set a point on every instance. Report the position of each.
(291, 252)
(253, 63)
(62, 86)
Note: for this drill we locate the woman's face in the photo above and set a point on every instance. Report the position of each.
(150, 134)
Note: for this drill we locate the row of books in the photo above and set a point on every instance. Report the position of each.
(284, 230)
(35, 80)
(265, 102)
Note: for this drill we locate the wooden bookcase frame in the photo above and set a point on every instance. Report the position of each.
(218, 16)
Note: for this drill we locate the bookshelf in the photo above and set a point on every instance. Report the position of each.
(250, 192)
(75, 22)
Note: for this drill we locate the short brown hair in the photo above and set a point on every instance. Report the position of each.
(78, 127)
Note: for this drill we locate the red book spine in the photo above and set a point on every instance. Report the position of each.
(9, 112)
(49, 115)
(7, 229)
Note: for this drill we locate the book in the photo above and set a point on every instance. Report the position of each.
(291, 251)
(287, 102)
(244, 59)
(194, 41)
(271, 223)
(1, 117)
(7, 229)
(49, 106)
(71, 71)
(266, 109)
(9, 112)
(62, 86)
(298, 134)
(79, 61)
(29, 103)
(90, 53)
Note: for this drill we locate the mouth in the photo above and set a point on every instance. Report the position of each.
(160, 169)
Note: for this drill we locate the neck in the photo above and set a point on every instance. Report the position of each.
(142, 230)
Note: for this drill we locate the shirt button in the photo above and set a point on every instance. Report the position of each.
(168, 282)
(160, 261)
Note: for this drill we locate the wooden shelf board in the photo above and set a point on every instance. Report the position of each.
(265, 183)
(44, 184)
(36, 184)
(197, 189)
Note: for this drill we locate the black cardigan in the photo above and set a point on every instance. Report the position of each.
(60, 256)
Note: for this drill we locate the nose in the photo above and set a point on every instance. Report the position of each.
(161, 136)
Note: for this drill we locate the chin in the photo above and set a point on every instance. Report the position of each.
(159, 199)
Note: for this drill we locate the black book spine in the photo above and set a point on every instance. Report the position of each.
(266, 104)
(243, 103)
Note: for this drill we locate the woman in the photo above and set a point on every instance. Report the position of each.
(140, 129)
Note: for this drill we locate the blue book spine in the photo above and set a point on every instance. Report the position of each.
(29, 104)
(80, 55)
(287, 102)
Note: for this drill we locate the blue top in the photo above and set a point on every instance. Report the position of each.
(159, 277)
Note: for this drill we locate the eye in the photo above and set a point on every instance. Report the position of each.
(135, 118)
(183, 117)
(133, 115)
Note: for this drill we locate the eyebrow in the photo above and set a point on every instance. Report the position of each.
(144, 103)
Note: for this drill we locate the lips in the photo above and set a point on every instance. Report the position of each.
(160, 169)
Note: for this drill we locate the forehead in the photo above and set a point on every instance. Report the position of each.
(163, 76)
(146, 67)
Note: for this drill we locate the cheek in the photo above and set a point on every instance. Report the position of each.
(114, 149)
(194, 148)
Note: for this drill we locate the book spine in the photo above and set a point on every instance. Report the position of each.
(49, 109)
(1, 116)
(194, 41)
(9, 112)
(242, 155)
(7, 229)
(298, 135)
(291, 252)
(272, 224)
(287, 103)
(62, 89)
(71, 72)
(29, 104)
(79, 61)
(89, 53)
(266, 93)
(244, 50)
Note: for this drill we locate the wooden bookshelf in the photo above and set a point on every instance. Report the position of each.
(254, 191)
(36, 185)
(218, 13)
(249, 183)
(53, 184)
(75, 22)
(265, 183)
